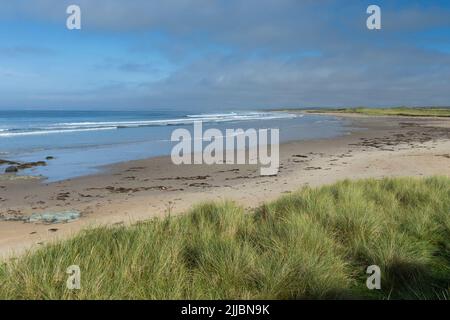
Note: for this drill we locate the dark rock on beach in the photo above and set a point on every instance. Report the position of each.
(11, 169)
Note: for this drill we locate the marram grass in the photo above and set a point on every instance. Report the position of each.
(311, 244)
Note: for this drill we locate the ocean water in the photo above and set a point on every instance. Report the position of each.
(83, 141)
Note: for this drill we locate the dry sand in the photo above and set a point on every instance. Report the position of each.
(136, 190)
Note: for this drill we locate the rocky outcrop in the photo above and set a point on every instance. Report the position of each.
(16, 166)
(29, 165)
(11, 163)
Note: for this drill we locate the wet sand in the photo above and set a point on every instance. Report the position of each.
(128, 192)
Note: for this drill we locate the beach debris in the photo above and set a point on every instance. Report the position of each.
(243, 177)
(199, 184)
(299, 156)
(313, 168)
(187, 178)
(135, 169)
(48, 218)
(132, 190)
(62, 196)
(232, 170)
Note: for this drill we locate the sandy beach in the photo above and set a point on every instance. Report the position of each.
(136, 190)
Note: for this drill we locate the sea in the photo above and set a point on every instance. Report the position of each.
(84, 142)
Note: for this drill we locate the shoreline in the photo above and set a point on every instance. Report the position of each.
(141, 189)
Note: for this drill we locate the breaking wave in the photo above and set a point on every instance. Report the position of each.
(70, 127)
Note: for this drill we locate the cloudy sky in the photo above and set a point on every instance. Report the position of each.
(223, 54)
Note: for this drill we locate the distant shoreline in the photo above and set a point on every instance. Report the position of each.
(427, 112)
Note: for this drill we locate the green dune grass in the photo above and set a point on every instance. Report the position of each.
(397, 111)
(315, 243)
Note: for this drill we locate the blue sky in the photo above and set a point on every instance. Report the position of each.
(215, 55)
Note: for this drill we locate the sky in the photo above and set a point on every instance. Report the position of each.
(223, 54)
